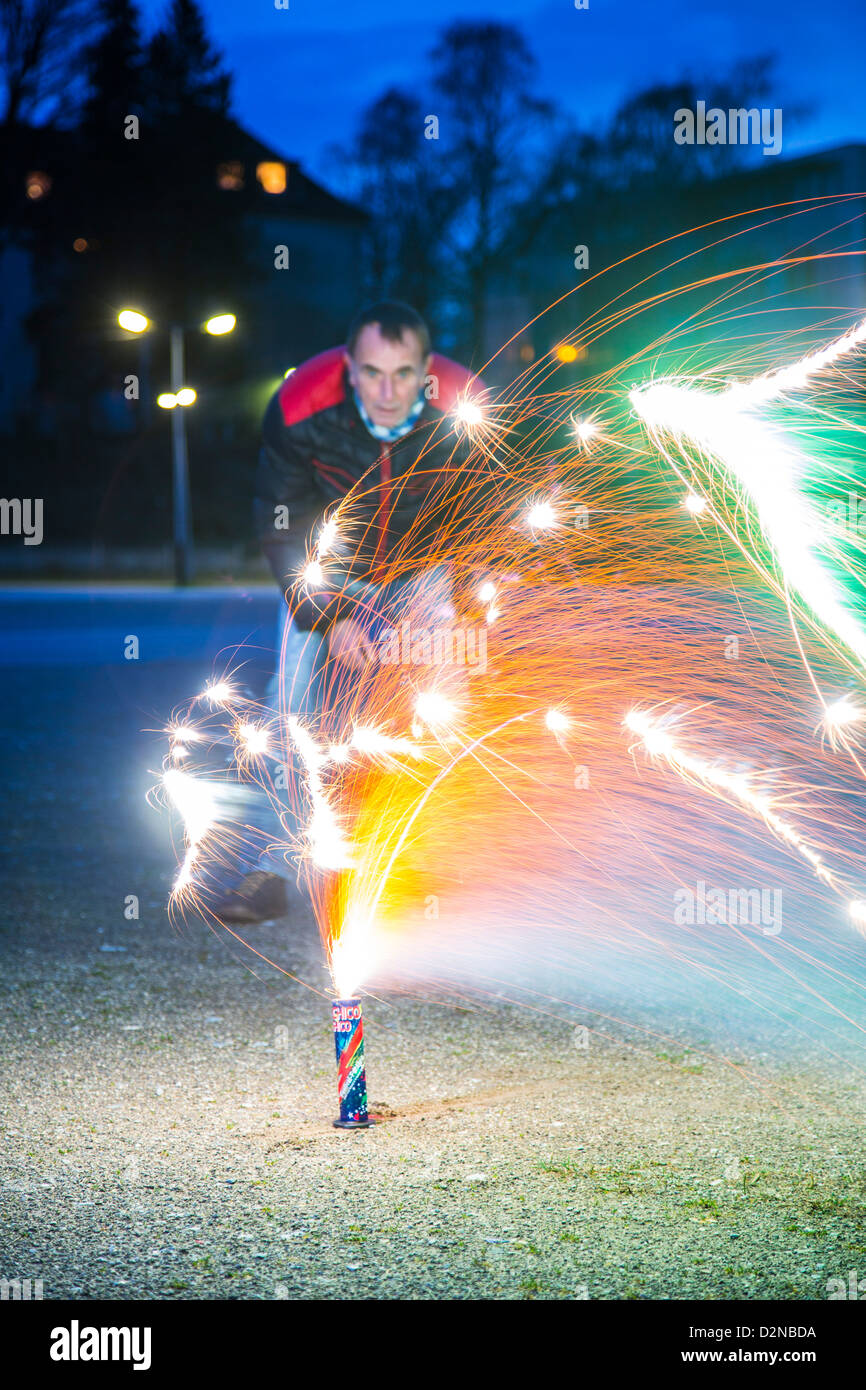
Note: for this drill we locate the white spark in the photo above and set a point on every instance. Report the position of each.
(433, 708)
(541, 516)
(556, 721)
(842, 713)
(254, 737)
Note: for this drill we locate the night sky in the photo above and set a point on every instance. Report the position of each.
(302, 75)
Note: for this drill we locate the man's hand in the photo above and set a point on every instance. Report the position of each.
(349, 643)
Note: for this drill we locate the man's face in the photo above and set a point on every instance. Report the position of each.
(387, 376)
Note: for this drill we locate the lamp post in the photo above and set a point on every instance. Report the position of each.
(179, 466)
(183, 396)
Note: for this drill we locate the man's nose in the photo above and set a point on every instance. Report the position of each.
(387, 389)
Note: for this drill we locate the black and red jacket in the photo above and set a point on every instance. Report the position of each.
(315, 446)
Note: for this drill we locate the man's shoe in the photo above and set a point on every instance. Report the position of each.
(260, 897)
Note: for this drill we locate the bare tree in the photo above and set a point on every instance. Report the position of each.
(490, 124)
(396, 175)
(40, 41)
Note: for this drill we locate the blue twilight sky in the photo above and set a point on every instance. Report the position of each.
(303, 74)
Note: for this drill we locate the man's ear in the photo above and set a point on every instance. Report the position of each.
(348, 361)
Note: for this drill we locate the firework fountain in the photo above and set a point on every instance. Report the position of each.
(573, 741)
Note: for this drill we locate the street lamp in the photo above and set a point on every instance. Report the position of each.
(179, 395)
(219, 324)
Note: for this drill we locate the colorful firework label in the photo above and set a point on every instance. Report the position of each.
(351, 1076)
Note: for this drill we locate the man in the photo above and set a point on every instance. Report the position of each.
(366, 417)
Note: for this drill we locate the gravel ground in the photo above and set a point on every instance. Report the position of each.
(166, 1099)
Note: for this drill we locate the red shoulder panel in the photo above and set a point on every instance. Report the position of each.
(314, 386)
(453, 381)
(320, 383)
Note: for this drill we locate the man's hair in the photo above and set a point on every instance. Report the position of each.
(393, 318)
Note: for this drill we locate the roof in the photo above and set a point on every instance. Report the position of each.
(303, 197)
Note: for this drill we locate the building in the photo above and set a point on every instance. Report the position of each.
(305, 243)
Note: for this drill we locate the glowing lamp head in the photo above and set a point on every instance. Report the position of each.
(220, 323)
(186, 396)
(166, 400)
(133, 321)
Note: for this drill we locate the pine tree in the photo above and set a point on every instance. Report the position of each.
(114, 65)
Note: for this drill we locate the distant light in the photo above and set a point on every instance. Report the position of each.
(695, 504)
(433, 708)
(556, 721)
(37, 184)
(80, 244)
(314, 575)
(230, 175)
(527, 353)
(487, 592)
(541, 516)
(567, 352)
(166, 400)
(585, 429)
(468, 413)
(272, 176)
(220, 323)
(185, 396)
(133, 321)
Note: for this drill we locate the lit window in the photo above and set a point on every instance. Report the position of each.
(272, 177)
(230, 175)
(37, 184)
(527, 353)
(79, 244)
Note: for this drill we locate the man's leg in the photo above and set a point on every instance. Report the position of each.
(251, 887)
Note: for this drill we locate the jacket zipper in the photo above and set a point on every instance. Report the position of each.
(384, 512)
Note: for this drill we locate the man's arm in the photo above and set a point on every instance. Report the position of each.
(283, 489)
(284, 483)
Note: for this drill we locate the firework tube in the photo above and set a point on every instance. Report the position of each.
(351, 1075)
